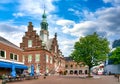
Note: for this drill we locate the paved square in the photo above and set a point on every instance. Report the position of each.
(70, 80)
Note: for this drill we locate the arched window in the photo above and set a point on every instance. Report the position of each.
(71, 66)
(66, 66)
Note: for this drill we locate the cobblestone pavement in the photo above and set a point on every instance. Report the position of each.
(70, 80)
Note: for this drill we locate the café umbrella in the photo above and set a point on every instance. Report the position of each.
(32, 70)
(13, 72)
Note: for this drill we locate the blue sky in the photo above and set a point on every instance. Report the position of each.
(71, 19)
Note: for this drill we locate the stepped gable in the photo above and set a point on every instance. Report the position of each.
(33, 36)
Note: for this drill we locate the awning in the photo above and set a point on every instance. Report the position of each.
(9, 65)
(5, 64)
(21, 66)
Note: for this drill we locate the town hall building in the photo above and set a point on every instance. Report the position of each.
(41, 51)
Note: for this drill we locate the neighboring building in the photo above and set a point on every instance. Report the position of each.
(9, 54)
(111, 68)
(116, 43)
(73, 68)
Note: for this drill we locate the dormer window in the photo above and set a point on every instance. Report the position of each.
(29, 43)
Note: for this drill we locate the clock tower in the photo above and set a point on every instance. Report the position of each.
(44, 28)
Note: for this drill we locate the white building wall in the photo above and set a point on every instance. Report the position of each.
(114, 69)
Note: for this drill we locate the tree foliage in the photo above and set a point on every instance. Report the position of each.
(115, 56)
(90, 49)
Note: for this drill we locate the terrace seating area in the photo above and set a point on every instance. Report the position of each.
(8, 78)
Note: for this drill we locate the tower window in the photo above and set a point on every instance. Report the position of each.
(55, 49)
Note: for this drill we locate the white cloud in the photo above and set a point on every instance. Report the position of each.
(35, 8)
(65, 22)
(105, 21)
(66, 45)
(75, 12)
(18, 14)
(113, 2)
(12, 32)
(71, 9)
(78, 29)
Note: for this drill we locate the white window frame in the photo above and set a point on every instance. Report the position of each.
(47, 69)
(17, 57)
(51, 59)
(4, 54)
(47, 58)
(29, 43)
(29, 58)
(14, 57)
(37, 57)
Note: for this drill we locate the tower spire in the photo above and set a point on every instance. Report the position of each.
(44, 33)
(44, 16)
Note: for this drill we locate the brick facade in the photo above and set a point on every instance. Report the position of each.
(49, 50)
(73, 67)
(9, 48)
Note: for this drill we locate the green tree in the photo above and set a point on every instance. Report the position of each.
(91, 49)
(115, 56)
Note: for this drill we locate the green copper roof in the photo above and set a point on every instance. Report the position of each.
(44, 24)
(44, 17)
